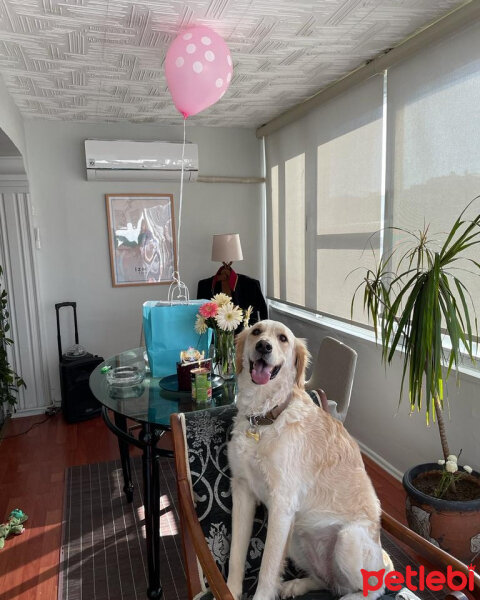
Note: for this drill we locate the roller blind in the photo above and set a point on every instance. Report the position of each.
(325, 201)
(433, 139)
(400, 149)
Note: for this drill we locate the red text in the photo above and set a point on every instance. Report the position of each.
(434, 580)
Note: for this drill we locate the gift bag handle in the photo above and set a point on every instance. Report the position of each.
(178, 291)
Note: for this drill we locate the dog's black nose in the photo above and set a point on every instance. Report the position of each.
(263, 347)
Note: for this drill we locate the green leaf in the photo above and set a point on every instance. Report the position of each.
(9, 380)
(410, 304)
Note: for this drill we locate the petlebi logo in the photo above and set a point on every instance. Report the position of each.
(434, 581)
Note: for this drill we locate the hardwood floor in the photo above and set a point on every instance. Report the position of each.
(32, 475)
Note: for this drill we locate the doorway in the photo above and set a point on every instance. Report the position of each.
(18, 259)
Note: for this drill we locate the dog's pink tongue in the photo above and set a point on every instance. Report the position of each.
(261, 372)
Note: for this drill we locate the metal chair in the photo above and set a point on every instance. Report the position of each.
(333, 373)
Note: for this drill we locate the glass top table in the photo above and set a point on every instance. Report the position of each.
(154, 399)
(150, 403)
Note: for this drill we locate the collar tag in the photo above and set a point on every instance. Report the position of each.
(252, 432)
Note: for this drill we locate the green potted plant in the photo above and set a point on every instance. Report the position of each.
(10, 382)
(413, 297)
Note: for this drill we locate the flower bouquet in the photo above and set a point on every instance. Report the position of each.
(223, 317)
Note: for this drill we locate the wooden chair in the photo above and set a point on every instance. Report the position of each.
(333, 371)
(200, 446)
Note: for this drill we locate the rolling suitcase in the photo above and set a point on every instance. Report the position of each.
(78, 402)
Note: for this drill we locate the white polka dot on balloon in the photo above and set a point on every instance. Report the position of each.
(210, 56)
(187, 36)
(206, 41)
(179, 62)
(219, 82)
(229, 60)
(197, 66)
(191, 48)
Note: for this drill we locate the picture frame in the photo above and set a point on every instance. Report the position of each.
(141, 238)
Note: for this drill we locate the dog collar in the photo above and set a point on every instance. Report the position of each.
(268, 418)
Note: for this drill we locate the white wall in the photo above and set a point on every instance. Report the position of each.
(7, 147)
(73, 261)
(11, 121)
(374, 417)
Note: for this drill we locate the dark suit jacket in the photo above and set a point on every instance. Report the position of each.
(247, 292)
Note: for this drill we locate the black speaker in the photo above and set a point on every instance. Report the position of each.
(78, 402)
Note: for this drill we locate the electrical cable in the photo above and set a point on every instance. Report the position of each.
(7, 437)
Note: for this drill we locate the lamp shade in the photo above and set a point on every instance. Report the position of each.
(226, 248)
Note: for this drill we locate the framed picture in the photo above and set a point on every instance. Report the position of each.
(141, 233)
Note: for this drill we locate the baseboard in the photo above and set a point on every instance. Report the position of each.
(30, 412)
(386, 466)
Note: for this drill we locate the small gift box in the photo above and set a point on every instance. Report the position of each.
(190, 359)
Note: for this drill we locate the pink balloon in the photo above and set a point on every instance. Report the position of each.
(199, 68)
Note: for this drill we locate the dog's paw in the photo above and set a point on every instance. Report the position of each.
(289, 589)
(297, 587)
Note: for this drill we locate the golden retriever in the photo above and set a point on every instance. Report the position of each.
(303, 465)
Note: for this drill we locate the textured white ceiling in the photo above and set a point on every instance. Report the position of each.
(102, 60)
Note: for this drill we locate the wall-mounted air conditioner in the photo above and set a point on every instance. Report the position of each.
(122, 160)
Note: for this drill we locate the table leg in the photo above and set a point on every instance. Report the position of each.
(151, 483)
(123, 446)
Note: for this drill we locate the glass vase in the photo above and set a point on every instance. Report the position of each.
(224, 359)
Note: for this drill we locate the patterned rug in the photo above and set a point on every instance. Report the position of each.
(103, 553)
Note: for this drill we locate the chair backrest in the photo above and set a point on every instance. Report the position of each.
(206, 436)
(333, 372)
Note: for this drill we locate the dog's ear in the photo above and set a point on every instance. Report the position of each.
(239, 346)
(301, 362)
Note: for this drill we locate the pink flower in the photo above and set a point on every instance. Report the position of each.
(209, 309)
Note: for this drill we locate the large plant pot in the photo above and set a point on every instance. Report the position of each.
(454, 526)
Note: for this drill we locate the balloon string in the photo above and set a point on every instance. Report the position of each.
(181, 199)
(178, 290)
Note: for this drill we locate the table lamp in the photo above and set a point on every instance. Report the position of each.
(226, 248)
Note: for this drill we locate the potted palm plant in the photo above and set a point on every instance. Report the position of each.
(416, 300)
(9, 380)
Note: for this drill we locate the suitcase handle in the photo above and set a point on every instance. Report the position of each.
(62, 304)
(58, 306)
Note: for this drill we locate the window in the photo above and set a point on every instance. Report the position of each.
(330, 162)
(275, 250)
(295, 229)
(433, 139)
(400, 149)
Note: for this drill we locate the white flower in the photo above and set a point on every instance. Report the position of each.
(441, 462)
(246, 318)
(467, 469)
(221, 299)
(452, 458)
(200, 325)
(451, 466)
(229, 317)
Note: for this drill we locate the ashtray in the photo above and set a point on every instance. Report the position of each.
(125, 376)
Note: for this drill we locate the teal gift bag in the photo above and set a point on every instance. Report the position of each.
(169, 328)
